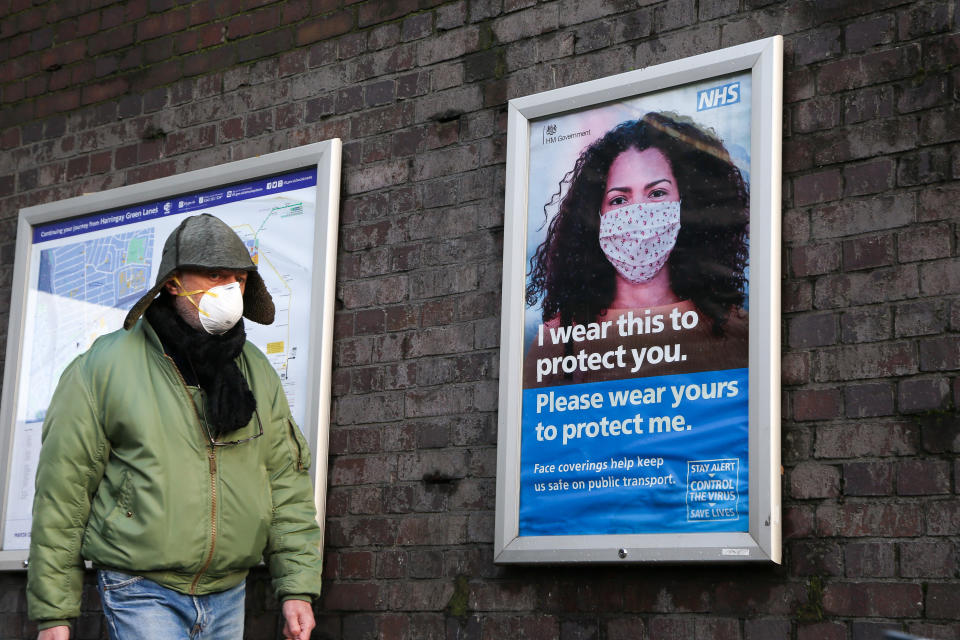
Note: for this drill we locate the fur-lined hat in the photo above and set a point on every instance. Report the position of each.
(206, 242)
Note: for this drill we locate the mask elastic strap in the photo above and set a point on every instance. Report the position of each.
(187, 294)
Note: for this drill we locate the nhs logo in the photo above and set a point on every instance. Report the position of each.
(721, 96)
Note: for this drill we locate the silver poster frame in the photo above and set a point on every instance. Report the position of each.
(764, 60)
(325, 156)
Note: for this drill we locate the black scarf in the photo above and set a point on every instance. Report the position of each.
(207, 360)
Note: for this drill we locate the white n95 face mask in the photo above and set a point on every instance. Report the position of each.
(638, 238)
(220, 307)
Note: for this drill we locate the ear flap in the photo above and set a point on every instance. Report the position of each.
(257, 302)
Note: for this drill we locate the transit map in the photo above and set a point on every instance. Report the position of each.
(86, 273)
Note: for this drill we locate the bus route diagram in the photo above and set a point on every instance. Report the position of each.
(83, 288)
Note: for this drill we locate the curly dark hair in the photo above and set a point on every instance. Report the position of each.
(570, 272)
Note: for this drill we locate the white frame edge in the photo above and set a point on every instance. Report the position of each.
(764, 58)
(326, 156)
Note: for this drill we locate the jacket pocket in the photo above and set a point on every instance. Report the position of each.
(112, 580)
(123, 498)
(298, 446)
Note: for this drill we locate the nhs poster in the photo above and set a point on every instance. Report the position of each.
(635, 371)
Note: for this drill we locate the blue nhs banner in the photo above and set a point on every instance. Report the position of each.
(721, 96)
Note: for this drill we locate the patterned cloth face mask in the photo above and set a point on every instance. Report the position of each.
(638, 238)
(220, 307)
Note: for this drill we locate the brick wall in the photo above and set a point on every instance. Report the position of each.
(98, 94)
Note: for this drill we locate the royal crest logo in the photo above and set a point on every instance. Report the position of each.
(550, 134)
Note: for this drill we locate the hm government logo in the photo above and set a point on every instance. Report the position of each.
(550, 134)
(721, 96)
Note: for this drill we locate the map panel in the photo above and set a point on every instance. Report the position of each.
(83, 287)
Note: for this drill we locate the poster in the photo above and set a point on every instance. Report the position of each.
(85, 274)
(639, 379)
(635, 379)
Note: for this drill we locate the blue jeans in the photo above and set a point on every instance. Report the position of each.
(140, 609)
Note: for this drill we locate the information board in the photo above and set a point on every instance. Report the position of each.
(640, 297)
(81, 274)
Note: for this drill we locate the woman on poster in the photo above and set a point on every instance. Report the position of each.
(647, 250)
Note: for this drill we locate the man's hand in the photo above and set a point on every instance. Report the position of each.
(299, 620)
(63, 633)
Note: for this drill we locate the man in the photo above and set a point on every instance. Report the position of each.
(170, 461)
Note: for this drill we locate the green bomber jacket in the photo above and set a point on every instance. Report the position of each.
(129, 480)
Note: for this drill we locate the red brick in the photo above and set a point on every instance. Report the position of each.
(352, 596)
(808, 260)
(110, 40)
(927, 93)
(866, 324)
(923, 477)
(36, 85)
(58, 102)
(324, 28)
(869, 559)
(867, 69)
(872, 176)
(822, 631)
(814, 480)
(816, 114)
(104, 90)
(943, 601)
(869, 32)
(864, 215)
(938, 203)
(868, 400)
(922, 394)
(927, 559)
(817, 404)
(924, 243)
(869, 519)
(871, 360)
(190, 139)
(923, 167)
(356, 565)
(869, 103)
(873, 599)
(922, 21)
(940, 354)
(940, 277)
(817, 187)
(795, 368)
(866, 140)
(798, 522)
(814, 558)
(938, 126)
(162, 24)
(812, 330)
(920, 318)
(77, 167)
(126, 157)
(291, 64)
(231, 129)
(151, 172)
(868, 252)
(868, 479)
(865, 438)
(100, 162)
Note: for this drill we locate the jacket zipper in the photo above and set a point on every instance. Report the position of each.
(212, 458)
